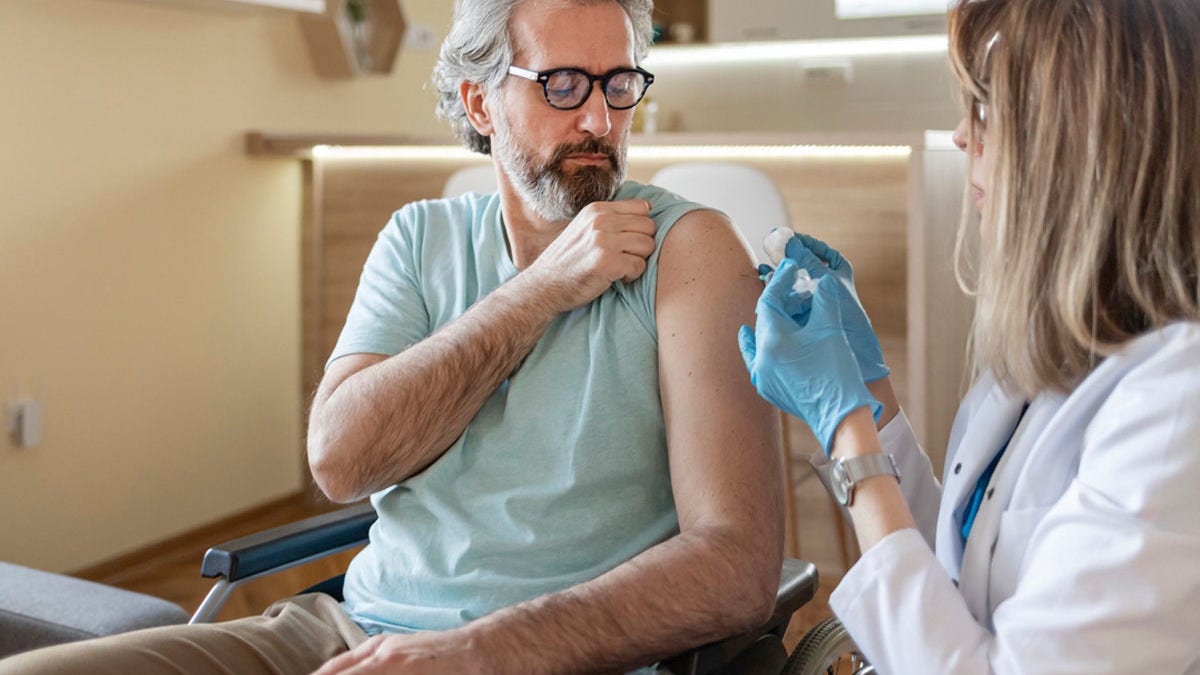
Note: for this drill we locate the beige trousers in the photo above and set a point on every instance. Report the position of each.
(293, 636)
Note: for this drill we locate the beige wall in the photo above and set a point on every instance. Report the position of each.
(149, 270)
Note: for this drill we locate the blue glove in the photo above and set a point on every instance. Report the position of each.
(798, 356)
(810, 253)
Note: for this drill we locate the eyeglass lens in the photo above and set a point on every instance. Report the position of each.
(569, 88)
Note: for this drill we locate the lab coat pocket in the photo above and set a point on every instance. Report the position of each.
(1013, 536)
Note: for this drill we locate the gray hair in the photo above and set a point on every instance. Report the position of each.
(479, 49)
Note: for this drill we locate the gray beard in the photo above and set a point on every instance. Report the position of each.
(553, 193)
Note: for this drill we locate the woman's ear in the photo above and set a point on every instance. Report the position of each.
(479, 113)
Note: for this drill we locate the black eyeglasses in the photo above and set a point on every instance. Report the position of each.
(569, 88)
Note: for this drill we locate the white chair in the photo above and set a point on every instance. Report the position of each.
(745, 194)
(479, 178)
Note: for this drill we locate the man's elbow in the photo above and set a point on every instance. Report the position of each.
(751, 586)
(328, 469)
(757, 602)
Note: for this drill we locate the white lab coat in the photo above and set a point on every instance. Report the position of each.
(1085, 554)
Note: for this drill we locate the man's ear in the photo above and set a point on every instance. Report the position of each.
(479, 113)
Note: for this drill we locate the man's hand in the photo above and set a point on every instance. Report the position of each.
(606, 242)
(432, 653)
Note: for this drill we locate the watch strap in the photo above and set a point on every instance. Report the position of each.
(854, 470)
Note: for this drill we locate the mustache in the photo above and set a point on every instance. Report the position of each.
(591, 146)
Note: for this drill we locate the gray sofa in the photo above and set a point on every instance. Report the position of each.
(39, 608)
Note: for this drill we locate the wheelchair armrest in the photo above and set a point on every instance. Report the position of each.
(282, 546)
(797, 585)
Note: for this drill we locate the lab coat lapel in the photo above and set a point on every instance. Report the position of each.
(989, 426)
(978, 561)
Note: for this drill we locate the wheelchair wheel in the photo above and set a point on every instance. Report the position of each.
(827, 650)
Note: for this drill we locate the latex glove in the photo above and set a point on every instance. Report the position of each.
(820, 260)
(798, 356)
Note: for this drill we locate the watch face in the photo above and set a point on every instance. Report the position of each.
(839, 484)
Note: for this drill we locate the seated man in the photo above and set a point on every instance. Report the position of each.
(541, 392)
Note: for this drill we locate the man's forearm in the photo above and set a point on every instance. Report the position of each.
(700, 586)
(388, 421)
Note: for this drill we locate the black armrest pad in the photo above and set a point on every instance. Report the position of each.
(246, 556)
(797, 585)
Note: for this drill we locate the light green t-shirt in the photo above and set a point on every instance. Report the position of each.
(561, 476)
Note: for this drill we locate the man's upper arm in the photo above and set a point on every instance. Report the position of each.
(723, 439)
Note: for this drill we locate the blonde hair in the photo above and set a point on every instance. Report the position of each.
(1091, 230)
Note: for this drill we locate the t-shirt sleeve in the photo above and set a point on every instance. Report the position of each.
(666, 209)
(389, 313)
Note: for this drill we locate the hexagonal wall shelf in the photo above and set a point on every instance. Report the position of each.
(355, 37)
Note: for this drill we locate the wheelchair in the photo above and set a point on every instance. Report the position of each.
(826, 649)
(757, 652)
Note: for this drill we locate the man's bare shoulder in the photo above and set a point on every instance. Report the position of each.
(704, 252)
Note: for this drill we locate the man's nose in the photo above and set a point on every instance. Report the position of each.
(594, 113)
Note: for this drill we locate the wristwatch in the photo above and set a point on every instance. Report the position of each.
(845, 474)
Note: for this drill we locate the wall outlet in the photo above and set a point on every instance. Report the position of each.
(420, 36)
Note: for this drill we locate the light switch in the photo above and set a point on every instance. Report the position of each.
(25, 422)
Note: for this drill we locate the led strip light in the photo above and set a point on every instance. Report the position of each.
(646, 152)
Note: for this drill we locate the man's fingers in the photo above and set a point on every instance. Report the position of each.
(635, 267)
(630, 215)
(636, 244)
(638, 224)
(631, 207)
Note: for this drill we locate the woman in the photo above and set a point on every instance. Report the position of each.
(1065, 536)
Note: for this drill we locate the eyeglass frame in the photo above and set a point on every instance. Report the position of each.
(543, 77)
(979, 119)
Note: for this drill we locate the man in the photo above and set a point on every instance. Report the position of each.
(541, 392)
(505, 390)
